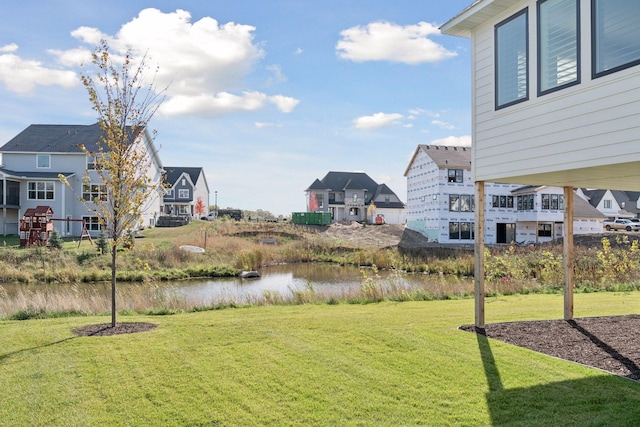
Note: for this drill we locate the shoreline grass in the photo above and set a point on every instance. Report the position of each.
(323, 365)
(231, 246)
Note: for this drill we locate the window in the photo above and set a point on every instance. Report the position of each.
(526, 202)
(43, 161)
(615, 39)
(544, 230)
(183, 193)
(320, 200)
(466, 230)
(92, 223)
(355, 197)
(502, 201)
(94, 192)
(454, 231)
(512, 52)
(455, 175)
(465, 203)
(461, 231)
(39, 190)
(91, 162)
(169, 193)
(607, 204)
(558, 48)
(354, 211)
(454, 203)
(545, 201)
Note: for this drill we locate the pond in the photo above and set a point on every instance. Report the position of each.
(280, 282)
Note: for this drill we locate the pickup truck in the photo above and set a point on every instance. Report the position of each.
(621, 224)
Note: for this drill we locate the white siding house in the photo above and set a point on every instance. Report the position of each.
(32, 162)
(441, 203)
(555, 101)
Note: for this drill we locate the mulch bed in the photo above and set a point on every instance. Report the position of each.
(610, 343)
(107, 330)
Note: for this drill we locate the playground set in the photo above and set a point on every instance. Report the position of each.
(36, 226)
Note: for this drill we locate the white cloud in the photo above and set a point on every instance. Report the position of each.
(9, 48)
(298, 51)
(454, 141)
(22, 76)
(203, 63)
(378, 120)
(224, 102)
(383, 41)
(72, 57)
(285, 104)
(219, 103)
(261, 125)
(443, 125)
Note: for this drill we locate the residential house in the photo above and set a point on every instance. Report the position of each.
(614, 203)
(186, 192)
(354, 196)
(555, 101)
(32, 162)
(441, 203)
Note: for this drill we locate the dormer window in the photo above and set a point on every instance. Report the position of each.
(43, 161)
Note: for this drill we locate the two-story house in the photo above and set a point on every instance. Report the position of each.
(614, 203)
(32, 162)
(354, 196)
(555, 101)
(186, 192)
(441, 203)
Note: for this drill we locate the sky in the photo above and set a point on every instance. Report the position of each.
(264, 95)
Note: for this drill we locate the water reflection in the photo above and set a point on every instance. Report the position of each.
(283, 281)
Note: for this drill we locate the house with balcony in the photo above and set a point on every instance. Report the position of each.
(32, 162)
(186, 192)
(441, 203)
(555, 101)
(354, 196)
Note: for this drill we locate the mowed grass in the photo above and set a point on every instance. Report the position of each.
(386, 364)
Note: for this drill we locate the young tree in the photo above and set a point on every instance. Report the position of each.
(125, 104)
(199, 207)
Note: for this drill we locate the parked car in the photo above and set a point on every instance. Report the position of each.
(621, 224)
(211, 217)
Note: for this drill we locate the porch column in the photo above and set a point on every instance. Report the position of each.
(568, 254)
(478, 231)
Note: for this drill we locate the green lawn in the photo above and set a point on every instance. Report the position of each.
(387, 364)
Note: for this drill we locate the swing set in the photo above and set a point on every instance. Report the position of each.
(36, 226)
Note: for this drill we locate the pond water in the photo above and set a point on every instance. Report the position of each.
(282, 280)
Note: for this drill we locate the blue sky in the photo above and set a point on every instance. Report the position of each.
(265, 95)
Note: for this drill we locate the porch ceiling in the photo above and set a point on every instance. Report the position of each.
(621, 176)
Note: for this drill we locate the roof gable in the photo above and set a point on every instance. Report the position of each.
(174, 173)
(445, 157)
(340, 181)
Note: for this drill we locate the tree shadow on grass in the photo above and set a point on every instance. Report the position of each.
(5, 356)
(602, 400)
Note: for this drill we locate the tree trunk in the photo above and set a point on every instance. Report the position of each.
(114, 252)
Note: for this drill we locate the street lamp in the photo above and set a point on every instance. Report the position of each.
(216, 202)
